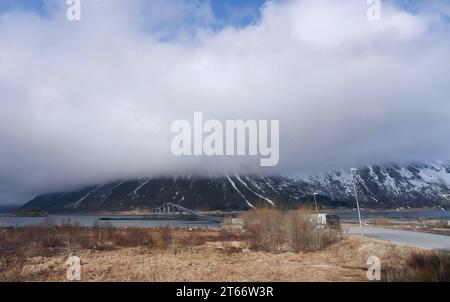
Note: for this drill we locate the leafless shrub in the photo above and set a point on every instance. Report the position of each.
(168, 240)
(30, 241)
(174, 247)
(166, 234)
(265, 229)
(45, 234)
(192, 241)
(424, 266)
(103, 230)
(331, 236)
(302, 233)
(272, 230)
(139, 237)
(73, 236)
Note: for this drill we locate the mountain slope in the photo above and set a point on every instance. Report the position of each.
(387, 186)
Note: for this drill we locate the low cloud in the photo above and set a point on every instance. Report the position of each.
(91, 101)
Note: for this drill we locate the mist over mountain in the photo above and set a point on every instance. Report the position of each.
(93, 101)
(387, 186)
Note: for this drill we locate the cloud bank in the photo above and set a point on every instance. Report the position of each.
(91, 101)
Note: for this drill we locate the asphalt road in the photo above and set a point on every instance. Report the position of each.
(425, 240)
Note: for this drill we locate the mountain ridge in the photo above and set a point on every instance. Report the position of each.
(378, 186)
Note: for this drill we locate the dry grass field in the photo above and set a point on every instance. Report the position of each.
(271, 246)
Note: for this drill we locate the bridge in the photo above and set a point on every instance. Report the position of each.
(169, 208)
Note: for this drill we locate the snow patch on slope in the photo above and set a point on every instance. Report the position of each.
(76, 204)
(259, 195)
(139, 187)
(240, 193)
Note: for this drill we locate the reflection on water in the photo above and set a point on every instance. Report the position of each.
(89, 220)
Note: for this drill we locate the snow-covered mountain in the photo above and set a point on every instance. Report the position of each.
(390, 185)
(378, 186)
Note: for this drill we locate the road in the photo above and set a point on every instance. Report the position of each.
(425, 240)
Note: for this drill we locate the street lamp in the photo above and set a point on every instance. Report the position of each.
(315, 203)
(356, 197)
(318, 228)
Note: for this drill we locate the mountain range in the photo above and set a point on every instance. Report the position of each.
(378, 186)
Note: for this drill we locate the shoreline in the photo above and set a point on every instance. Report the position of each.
(145, 214)
(380, 210)
(331, 210)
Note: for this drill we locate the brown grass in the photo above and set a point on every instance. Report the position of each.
(284, 246)
(48, 240)
(343, 261)
(201, 255)
(227, 237)
(422, 266)
(441, 224)
(11, 268)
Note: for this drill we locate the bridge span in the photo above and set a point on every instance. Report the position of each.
(169, 208)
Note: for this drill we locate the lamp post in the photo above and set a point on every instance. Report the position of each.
(315, 203)
(317, 217)
(356, 197)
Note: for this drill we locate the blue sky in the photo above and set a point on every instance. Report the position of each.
(228, 12)
(24, 5)
(222, 8)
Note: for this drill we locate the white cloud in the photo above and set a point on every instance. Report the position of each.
(93, 101)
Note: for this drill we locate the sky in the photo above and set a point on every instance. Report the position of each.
(226, 12)
(92, 101)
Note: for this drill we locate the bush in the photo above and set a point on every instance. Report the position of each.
(301, 232)
(191, 241)
(264, 229)
(166, 234)
(272, 230)
(424, 266)
(139, 237)
(103, 230)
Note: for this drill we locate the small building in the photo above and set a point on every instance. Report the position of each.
(327, 220)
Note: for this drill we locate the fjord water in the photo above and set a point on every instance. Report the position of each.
(395, 214)
(89, 220)
(132, 221)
